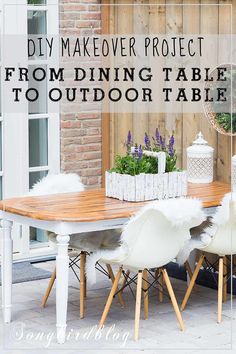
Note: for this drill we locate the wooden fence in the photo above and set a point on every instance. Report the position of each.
(169, 19)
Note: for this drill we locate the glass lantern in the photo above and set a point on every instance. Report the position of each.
(200, 161)
(234, 173)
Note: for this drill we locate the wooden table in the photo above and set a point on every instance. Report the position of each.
(67, 214)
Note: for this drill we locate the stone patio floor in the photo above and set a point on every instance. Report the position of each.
(33, 329)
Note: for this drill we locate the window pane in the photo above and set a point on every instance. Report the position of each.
(0, 146)
(0, 187)
(34, 177)
(37, 235)
(37, 23)
(0, 95)
(38, 142)
(40, 105)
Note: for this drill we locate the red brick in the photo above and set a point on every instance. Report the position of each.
(70, 16)
(91, 172)
(94, 164)
(67, 24)
(80, 132)
(93, 131)
(73, 7)
(94, 8)
(91, 123)
(88, 24)
(90, 16)
(91, 155)
(91, 139)
(68, 133)
(85, 148)
(71, 124)
(88, 115)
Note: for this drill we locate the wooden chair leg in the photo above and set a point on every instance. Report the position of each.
(82, 279)
(110, 298)
(173, 299)
(220, 289)
(138, 305)
(111, 275)
(49, 288)
(225, 271)
(188, 269)
(192, 282)
(145, 293)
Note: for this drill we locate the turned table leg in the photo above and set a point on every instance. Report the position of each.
(62, 271)
(6, 270)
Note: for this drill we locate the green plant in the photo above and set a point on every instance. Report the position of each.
(223, 108)
(134, 166)
(224, 120)
(136, 162)
(36, 2)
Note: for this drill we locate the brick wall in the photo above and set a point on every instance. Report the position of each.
(81, 132)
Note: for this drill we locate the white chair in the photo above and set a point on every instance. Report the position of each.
(223, 244)
(80, 244)
(151, 239)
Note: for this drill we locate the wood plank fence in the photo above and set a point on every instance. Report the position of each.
(156, 18)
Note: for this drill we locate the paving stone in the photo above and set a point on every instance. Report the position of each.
(158, 334)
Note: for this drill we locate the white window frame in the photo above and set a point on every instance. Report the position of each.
(15, 157)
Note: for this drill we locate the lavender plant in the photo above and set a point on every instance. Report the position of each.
(137, 162)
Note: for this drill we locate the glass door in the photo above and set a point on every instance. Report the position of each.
(33, 128)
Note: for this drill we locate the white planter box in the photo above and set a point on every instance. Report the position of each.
(146, 186)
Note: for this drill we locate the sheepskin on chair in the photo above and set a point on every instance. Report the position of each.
(201, 236)
(222, 215)
(182, 213)
(57, 183)
(71, 182)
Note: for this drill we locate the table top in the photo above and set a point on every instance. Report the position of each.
(93, 205)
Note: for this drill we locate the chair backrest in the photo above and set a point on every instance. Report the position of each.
(57, 183)
(224, 241)
(154, 238)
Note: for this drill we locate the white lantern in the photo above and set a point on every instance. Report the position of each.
(234, 173)
(200, 161)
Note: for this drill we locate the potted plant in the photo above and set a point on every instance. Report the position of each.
(146, 172)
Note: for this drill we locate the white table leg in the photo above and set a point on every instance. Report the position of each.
(62, 273)
(6, 270)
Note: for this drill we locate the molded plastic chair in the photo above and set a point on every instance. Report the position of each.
(81, 244)
(151, 239)
(222, 244)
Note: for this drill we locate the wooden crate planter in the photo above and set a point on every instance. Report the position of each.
(146, 186)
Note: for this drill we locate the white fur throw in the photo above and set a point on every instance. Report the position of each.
(205, 236)
(180, 212)
(198, 241)
(57, 183)
(222, 215)
(90, 241)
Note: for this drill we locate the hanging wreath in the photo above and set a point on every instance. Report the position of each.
(220, 114)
